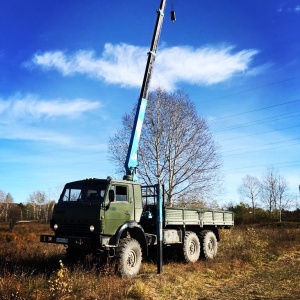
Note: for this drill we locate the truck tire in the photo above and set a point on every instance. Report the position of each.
(191, 247)
(209, 244)
(129, 257)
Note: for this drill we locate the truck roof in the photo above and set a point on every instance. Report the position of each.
(79, 183)
(88, 181)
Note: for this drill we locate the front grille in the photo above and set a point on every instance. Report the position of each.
(73, 229)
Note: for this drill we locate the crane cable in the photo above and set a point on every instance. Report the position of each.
(173, 14)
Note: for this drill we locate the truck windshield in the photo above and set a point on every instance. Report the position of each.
(89, 194)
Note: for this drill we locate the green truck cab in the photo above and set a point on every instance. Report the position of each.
(118, 219)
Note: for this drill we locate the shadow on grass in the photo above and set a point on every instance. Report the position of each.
(31, 266)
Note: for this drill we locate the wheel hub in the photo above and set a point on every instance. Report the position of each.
(132, 259)
(210, 246)
(192, 248)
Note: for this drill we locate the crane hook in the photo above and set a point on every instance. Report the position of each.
(173, 16)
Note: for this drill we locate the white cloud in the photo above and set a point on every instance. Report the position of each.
(31, 107)
(120, 64)
(124, 64)
(25, 132)
(205, 66)
(27, 118)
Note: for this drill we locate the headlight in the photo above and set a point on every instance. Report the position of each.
(55, 226)
(92, 228)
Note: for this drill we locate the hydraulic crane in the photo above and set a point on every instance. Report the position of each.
(131, 162)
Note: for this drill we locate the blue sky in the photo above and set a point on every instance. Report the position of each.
(69, 70)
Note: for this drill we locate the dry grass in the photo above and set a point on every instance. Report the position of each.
(253, 263)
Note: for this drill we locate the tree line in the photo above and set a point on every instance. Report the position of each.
(267, 198)
(38, 208)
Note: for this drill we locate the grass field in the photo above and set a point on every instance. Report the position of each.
(257, 262)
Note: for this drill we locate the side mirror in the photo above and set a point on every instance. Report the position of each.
(111, 195)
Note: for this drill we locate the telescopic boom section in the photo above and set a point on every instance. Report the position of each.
(132, 154)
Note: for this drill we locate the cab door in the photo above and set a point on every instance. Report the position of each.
(121, 210)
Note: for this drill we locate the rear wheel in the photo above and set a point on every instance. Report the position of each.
(191, 247)
(129, 256)
(209, 244)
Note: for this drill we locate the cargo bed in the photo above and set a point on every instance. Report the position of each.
(201, 217)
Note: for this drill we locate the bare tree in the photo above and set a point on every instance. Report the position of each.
(2, 196)
(8, 200)
(274, 191)
(176, 148)
(283, 198)
(37, 201)
(2, 205)
(269, 189)
(39, 206)
(250, 189)
(5, 202)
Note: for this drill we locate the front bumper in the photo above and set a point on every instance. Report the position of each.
(67, 240)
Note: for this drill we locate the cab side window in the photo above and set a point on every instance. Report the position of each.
(121, 193)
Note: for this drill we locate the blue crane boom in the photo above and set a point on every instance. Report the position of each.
(131, 162)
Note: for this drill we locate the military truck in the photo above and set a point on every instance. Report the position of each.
(118, 219)
(121, 219)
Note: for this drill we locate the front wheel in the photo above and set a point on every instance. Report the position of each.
(191, 247)
(209, 244)
(129, 256)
